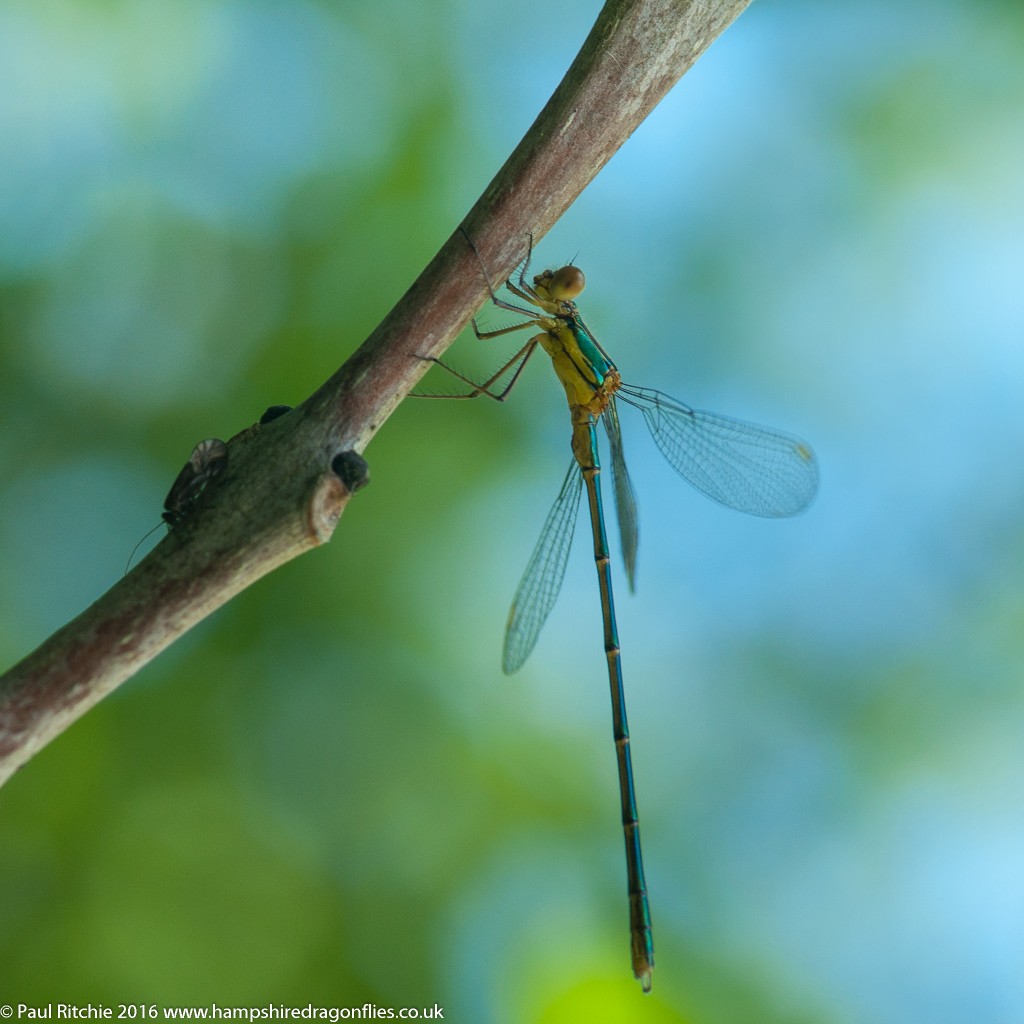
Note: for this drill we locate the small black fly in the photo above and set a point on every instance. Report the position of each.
(208, 460)
(275, 412)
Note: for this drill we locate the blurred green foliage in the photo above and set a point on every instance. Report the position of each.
(328, 793)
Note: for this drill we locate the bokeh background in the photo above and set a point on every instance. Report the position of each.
(328, 792)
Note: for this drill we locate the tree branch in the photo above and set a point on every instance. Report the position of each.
(280, 495)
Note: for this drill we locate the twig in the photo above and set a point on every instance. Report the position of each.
(284, 489)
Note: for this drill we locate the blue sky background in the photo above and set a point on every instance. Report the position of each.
(329, 792)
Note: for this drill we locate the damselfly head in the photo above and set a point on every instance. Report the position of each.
(562, 285)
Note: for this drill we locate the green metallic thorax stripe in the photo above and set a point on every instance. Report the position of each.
(595, 355)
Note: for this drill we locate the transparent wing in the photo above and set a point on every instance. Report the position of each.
(539, 587)
(625, 500)
(754, 469)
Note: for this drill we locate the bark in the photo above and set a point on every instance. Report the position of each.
(287, 482)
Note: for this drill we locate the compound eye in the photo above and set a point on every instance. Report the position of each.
(566, 283)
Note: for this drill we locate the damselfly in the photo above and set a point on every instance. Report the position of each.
(750, 468)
